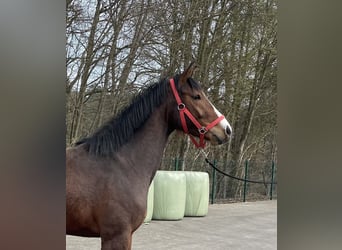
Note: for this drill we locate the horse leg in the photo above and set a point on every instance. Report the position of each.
(122, 241)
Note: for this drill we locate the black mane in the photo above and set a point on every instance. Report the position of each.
(120, 129)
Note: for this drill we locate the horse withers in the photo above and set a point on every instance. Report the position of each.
(108, 173)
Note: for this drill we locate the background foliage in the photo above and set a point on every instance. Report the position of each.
(115, 48)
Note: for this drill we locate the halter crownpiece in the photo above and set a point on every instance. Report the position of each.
(183, 110)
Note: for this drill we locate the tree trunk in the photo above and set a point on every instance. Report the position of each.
(85, 74)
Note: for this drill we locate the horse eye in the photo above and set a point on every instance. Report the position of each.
(196, 97)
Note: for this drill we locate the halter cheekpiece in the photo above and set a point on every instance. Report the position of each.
(183, 110)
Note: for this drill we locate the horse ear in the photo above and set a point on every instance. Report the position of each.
(187, 73)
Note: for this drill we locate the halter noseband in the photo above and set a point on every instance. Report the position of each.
(183, 110)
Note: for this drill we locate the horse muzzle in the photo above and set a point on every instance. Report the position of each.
(218, 136)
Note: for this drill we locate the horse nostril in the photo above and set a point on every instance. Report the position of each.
(228, 131)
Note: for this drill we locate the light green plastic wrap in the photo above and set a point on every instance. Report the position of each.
(197, 193)
(169, 195)
(150, 198)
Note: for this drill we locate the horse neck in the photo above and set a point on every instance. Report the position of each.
(145, 150)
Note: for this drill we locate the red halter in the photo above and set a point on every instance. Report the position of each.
(184, 111)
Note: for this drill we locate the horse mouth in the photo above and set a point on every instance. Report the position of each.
(218, 141)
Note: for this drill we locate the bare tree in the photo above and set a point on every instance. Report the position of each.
(114, 48)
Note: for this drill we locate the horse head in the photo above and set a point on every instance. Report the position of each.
(197, 116)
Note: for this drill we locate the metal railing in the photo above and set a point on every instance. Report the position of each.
(259, 190)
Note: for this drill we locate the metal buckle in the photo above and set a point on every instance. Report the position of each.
(202, 130)
(181, 106)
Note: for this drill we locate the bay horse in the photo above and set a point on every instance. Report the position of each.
(108, 173)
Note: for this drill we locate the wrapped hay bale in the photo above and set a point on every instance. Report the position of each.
(197, 193)
(169, 195)
(150, 198)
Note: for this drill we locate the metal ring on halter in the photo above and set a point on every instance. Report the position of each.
(181, 106)
(202, 130)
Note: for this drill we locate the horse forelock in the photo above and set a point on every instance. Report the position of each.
(120, 129)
